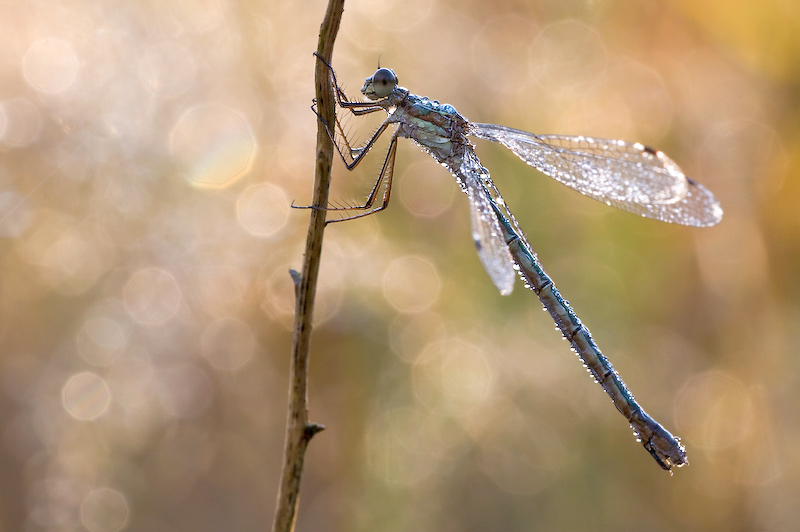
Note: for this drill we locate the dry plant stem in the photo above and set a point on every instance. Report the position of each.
(298, 429)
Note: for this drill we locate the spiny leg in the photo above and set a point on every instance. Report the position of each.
(382, 188)
(357, 108)
(383, 183)
(352, 156)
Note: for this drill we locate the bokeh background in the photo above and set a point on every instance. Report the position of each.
(149, 154)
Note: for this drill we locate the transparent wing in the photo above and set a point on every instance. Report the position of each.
(625, 175)
(486, 232)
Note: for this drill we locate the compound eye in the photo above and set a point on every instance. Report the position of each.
(383, 82)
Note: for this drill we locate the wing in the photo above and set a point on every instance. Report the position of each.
(629, 176)
(486, 232)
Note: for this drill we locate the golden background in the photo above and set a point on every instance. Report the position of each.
(149, 153)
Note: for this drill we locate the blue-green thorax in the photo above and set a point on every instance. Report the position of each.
(437, 127)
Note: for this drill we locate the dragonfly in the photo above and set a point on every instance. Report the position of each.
(626, 175)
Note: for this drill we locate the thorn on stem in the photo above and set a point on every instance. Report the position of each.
(312, 428)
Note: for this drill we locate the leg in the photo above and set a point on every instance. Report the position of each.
(350, 155)
(357, 108)
(382, 187)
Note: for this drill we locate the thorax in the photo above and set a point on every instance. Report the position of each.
(435, 126)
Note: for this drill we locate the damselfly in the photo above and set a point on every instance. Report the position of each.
(629, 176)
